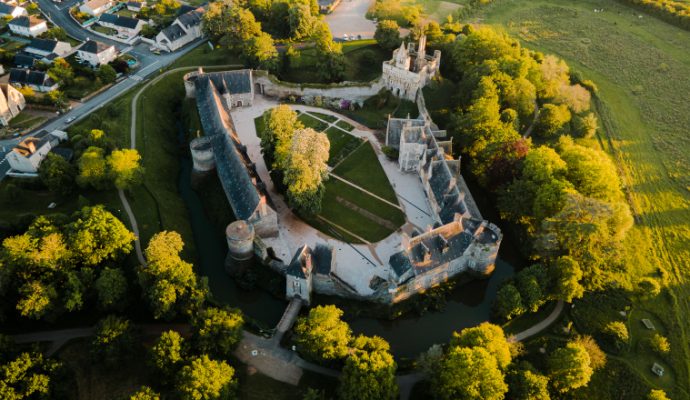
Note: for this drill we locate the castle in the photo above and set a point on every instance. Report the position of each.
(410, 69)
(457, 239)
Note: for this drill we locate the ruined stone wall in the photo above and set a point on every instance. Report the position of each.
(270, 86)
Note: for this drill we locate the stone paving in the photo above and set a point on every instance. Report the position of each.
(356, 264)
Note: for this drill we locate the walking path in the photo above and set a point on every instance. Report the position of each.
(529, 332)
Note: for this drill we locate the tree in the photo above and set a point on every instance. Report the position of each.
(231, 24)
(125, 168)
(659, 344)
(526, 383)
(145, 393)
(93, 169)
(36, 299)
(307, 169)
(566, 275)
(649, 287)
(585, 126)
(276, 140)
(167, 354)
(111, 286)
(57, 174)
(61, 71)
(56, 33)
(58, 98)
(470, 374)
(532, 282)
(260, 52)
(591, 171)
(369, 371)
(206, 379)
(657, 394)
(114, 340)
(575, 97)
(330, 66)
(487, 336)
(26, 376)
(322, 335)
(218, 331)
(387, 34)
(168, 282)
(96, 235)
(508, 303)
(106, 73)
(597, 357)
(302, 21)
(552, 120)
(569, 367)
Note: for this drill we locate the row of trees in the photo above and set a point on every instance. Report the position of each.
(674, 11)
(235, 26)
(99, 166)
(299, 155)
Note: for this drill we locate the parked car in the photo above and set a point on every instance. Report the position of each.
(70, 119)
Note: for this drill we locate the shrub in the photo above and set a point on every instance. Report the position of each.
(659, 344)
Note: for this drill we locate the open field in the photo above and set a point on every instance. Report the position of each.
(641, 67)
(359, 168)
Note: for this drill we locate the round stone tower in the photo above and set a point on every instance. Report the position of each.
(188, 79)
(240, 237)
(202, 154)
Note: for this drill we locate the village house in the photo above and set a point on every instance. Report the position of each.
(27, 156)
(28, 26)
(125, 26)
(14, 11)
(36, 80)
(185, 29)
(41, 50)
(96, 53)
(12, 102)
(135, 6)
(96, 7)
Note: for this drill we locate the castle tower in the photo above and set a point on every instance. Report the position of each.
(420, 61)
(240, 238)
(202, 154)
(402, 57)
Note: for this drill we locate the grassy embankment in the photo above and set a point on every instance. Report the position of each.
(641, 67)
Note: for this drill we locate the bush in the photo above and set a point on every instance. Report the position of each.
(618, 334)
(659, 344)
(390, 152)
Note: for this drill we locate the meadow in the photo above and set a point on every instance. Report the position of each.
(640, 65)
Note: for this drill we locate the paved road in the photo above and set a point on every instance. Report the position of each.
(348, 18)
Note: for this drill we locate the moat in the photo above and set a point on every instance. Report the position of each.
(468, 305)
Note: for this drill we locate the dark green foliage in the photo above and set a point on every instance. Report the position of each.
(114, 341)
(508, 302)
(322, 335)
(387, 34)
(526, 383)
(111, 286)
(57, 174)
(218, 331)
(569, 367)
(369, 372)
(206, 379)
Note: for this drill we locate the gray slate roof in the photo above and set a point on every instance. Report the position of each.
(173, 32)
(191, 18)
(6, 8)
(322, 258)
(26, 22)
(395, 126)
(242, 195)
(94, 47)
(43, 44)
(232, 82)
(27, 77)
(119, 20)
(25, 60)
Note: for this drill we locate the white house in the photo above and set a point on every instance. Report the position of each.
(123, 25)
(185, 29)
(12, 10)
(12, 102)
(135, 6)
(28, 26)
(46, 47)
(96, 7)
(96, 53)
(36, 80)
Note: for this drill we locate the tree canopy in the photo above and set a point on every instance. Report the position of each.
(322, 335)
(469, 373)
(306, 170)
(218, 331)
(124, 168)
(569, 367)
(387, 34)
(369, 372)
(206, 379)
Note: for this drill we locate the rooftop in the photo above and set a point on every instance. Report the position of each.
(27, 22)
(119, 20)
(94, 47)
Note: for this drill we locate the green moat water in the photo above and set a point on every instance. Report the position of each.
(468, 305)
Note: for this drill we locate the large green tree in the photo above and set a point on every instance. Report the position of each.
(387, 34)
(206, 379)
(307, 170)
(113, 341)
(230, 23)
(125, 168)
(322, 335)
(470, 374)
(369, 372)
(167, 354)
(276, 139)
(111, 286)
(26, 376)
(96, 236)
(260, 52)
(168, 282)
(93, 169)
(217, 331)
(487, 336)
(569, 367)
(526, 383)
(57, 174)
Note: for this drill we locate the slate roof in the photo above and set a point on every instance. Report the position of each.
(395, 126)
(94, 47)
(119, 20)
(26, 22)
(297, 267)
(241, 192)
(27, 77)
(25, 60)
(47, 45)
(6, 8)
(173, 32)
(231, 82)
(400, 263)
(444, 187)
(191, 18)
(322, 259)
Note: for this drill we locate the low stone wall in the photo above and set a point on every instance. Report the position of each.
(269, 85)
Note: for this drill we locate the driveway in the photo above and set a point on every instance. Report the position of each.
(349, 18)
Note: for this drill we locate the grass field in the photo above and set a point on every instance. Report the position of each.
(358, 168)
(641, 66)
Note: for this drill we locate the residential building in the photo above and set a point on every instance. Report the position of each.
(29, 26)
(96, 7)
(327, 6)
(27, 156)
(14, 11)
(96, 53)
(126, 26)
(36, 80)
(410, 69)
(185, 29)
(11, 103)
(135, 5)
(46, 47)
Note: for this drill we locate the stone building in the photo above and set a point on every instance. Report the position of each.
(216, 93)
(461, 240)
(12, 102)
(410, 69)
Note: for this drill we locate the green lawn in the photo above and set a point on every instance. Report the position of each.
(363, 169)
(345, 125)
(641, 66)
(374, 114)
(325, 117)
(342, 144)
(311, 122)
(104, 30)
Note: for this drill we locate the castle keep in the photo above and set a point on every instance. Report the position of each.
(410, 69)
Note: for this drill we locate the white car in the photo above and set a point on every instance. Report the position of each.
(70, 119)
